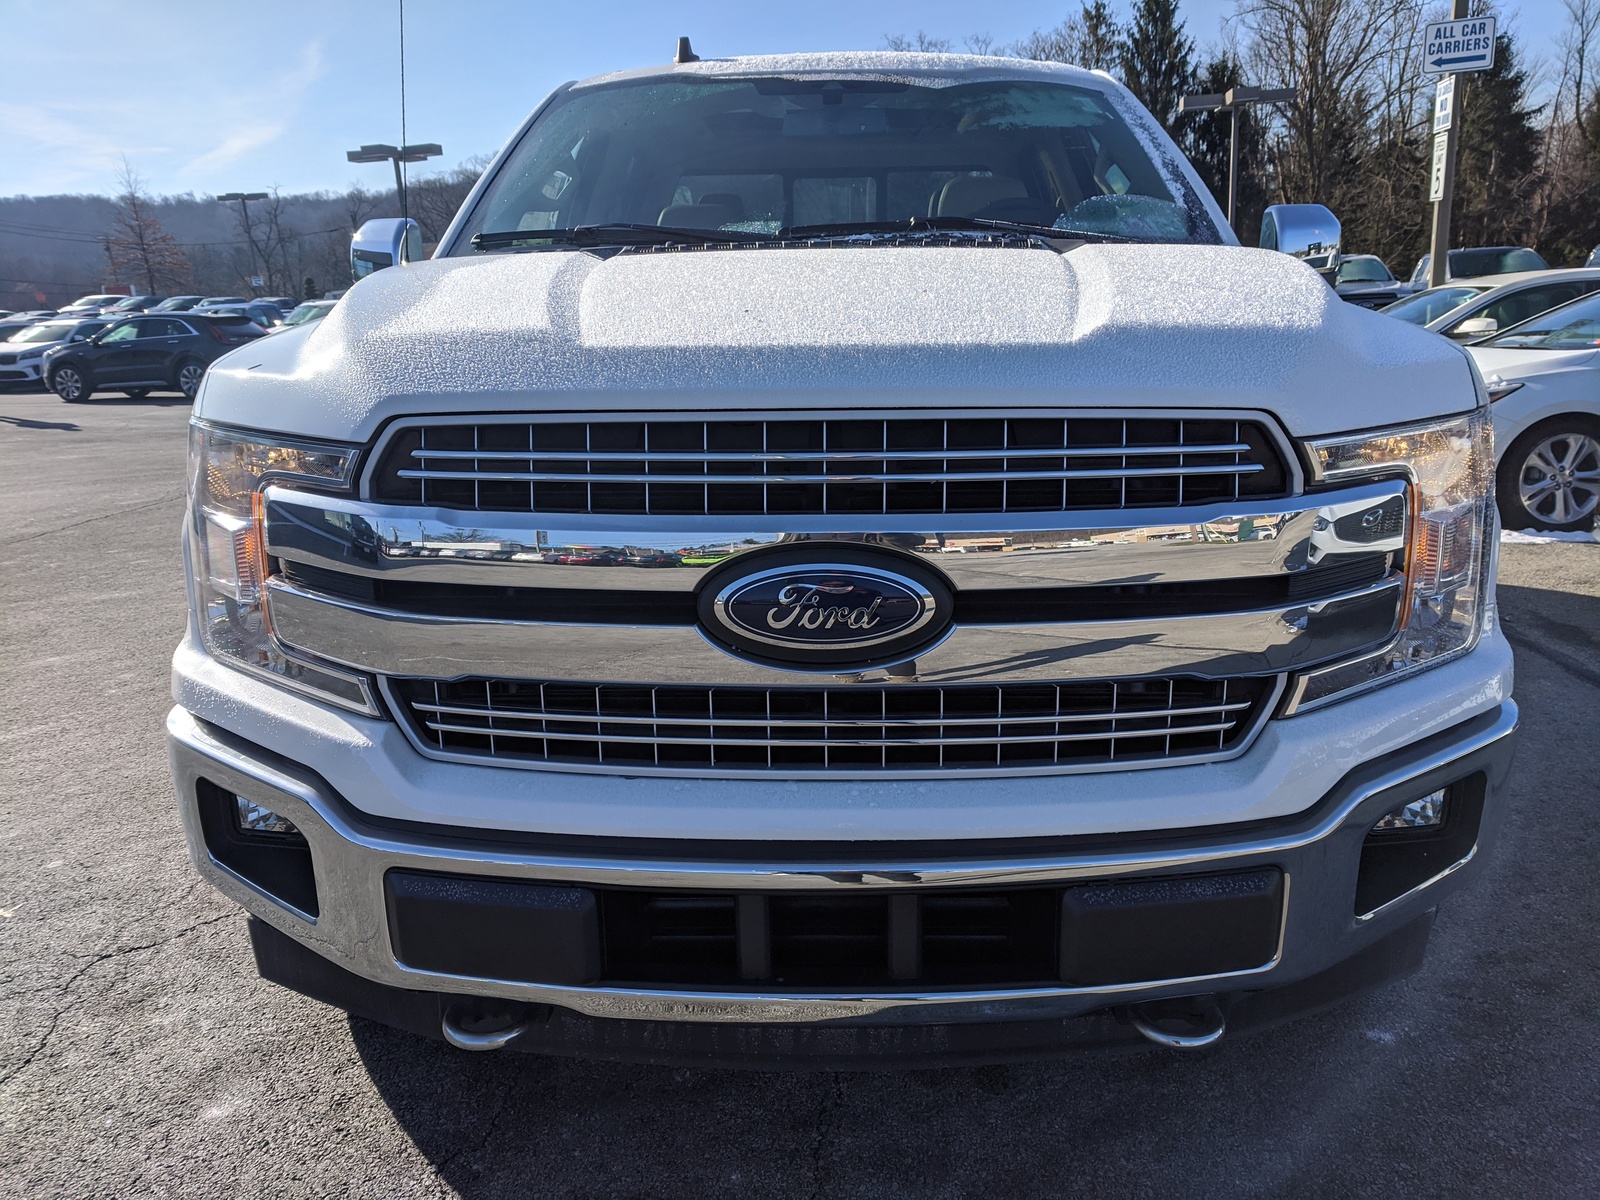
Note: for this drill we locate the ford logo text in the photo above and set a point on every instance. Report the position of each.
(825, 614)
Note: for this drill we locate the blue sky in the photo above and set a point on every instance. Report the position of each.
(223, 96)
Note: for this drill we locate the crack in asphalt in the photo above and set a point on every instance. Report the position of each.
(117, 512)
(95, 960)
(832, 1099)
(490, 1129)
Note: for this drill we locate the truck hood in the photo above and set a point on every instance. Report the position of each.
(868, 327)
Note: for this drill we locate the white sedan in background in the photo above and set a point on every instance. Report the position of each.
(1469, 310)
(1543, 378)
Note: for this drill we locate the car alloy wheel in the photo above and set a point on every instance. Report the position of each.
(189, 377)
(1559, 481)
(68, 383)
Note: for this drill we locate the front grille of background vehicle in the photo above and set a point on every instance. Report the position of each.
(902, 465)
(860, 727)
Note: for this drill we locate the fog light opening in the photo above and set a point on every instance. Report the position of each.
(1424, 813)
(257, 818)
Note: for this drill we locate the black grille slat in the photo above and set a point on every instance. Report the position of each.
(851, 727)
(843, 466)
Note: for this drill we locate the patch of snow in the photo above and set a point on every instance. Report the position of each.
(1536, 537)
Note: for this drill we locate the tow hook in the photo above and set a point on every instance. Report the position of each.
(475, 1028)
(1186, 1023)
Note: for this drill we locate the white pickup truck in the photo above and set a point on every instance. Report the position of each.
(837, 559)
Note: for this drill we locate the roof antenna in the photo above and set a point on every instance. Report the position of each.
(686, 53)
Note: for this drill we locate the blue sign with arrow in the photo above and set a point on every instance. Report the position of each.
(1453, 46)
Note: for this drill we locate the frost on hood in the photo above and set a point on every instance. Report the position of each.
(844, 327)
(883, 66)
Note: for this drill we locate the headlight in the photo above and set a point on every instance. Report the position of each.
(227, 471)
(1451, 468)
(39, 353)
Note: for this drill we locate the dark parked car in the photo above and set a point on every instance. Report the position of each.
(144, 353)
(1365, 279)
(268, 316)
(177, 303)
(1472, 261)
(222, 300)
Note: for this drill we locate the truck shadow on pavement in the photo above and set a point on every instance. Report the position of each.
(28, 423)
(511, 1124)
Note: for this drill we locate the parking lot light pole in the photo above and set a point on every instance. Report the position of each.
(397, 155)
(1230, 102)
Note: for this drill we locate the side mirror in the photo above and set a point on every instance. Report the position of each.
(1310, 232)
(1475, 327)
(384, 242)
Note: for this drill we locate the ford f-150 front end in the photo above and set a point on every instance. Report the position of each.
(840, 558)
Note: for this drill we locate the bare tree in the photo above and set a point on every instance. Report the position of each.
(359, 204)
(918, 41)
(137, 248)
(1579, 43)
(435, 199)
(1335, 54)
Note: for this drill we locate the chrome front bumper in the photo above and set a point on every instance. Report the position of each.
(1318, 852)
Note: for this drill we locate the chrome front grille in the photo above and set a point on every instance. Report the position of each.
(848, 728)
(840, 466)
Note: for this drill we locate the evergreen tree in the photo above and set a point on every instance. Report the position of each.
(1498, 155)
(1101, 43)
(1156, 60)
(1208, 149)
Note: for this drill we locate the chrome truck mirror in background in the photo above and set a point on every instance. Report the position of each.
(1307, 231)
(384, 242)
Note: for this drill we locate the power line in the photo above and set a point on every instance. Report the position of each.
(97, 239)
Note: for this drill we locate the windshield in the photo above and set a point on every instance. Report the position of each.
(1363, 270)
(1429, 306)
(1574, 326)
(49, 331)
(758, 156)
(84, 301)
(1494, 260)
(176, 302)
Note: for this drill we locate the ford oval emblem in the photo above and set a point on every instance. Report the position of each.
(824, 615)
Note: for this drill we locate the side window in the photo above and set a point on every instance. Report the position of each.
(122, 333)
(1530, 302)
(149, 329)
(161, 327)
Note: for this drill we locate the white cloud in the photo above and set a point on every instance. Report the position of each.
(286, 94)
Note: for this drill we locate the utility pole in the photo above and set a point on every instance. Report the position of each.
(1230, 102)
(1442, 184)
(397, 155)
(244, 199)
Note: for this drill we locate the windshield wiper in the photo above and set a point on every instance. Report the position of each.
(616, 234)
(927, 225)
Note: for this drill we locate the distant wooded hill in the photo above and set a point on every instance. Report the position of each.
(56, 248)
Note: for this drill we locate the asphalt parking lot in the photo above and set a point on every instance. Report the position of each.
(141, 1056)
